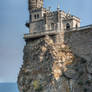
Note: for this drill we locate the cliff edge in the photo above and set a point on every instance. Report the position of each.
(53, 67)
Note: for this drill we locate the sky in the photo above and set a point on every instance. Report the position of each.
(13, 16)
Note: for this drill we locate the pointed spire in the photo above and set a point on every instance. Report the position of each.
(69, 11)
(58, 6)
(49, 8)
(68, 14)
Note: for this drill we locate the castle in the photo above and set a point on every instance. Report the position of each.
(58, 52)
(44, 21)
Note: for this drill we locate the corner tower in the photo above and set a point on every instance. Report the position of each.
(36, 13)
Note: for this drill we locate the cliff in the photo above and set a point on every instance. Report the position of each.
(57, 67)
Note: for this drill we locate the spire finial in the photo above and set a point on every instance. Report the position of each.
(58, 6)
(49, 8)
(69, 11)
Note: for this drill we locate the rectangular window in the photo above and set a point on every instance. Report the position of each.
(37, 15)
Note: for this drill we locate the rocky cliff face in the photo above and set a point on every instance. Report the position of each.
(52, 67)
(80, 42)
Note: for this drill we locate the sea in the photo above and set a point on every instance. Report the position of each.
(8, 87)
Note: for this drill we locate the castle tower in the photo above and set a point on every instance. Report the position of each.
(36, 13)
(34, 4)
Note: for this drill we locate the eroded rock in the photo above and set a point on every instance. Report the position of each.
(49, 67)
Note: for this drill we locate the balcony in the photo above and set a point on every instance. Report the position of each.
(39, 34)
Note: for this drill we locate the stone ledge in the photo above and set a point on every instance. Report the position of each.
(40, 34)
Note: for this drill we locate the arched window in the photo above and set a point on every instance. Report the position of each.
(76, 25)
(52, 26)
(67, 26)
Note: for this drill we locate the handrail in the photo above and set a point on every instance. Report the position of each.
(79, 28)
(40, 32)
(28, 35)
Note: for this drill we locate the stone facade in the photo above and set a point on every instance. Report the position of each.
(58, 52)
(42, 19)
(52, 21)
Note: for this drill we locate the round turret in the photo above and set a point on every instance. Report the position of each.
(34, 4)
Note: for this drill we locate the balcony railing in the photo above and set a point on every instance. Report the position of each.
(79, 28)
(40, 33)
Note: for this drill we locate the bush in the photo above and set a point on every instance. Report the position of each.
(37, 86)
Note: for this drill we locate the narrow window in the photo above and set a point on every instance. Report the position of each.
(37, 15)
(76, 25)
(52, 26)
(30, 17)
(67, 26)
(49, 27)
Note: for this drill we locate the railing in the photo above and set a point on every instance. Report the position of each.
(40, 33)
(79, 28)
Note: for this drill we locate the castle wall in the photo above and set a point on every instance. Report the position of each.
(37, 26)
(80, 42)
(67, 21)
(35, 14)
(51, 21)
(76, 23)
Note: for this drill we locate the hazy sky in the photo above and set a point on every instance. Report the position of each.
(13, 16)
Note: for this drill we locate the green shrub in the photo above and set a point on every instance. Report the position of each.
(37, 86)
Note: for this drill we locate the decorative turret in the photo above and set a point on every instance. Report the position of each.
(35, 4)
(36, 12)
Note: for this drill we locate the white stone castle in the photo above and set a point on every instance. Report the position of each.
(42, 21)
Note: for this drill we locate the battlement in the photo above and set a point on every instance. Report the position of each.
(51, 13)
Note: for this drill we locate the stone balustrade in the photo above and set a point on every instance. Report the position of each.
(40, 34)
